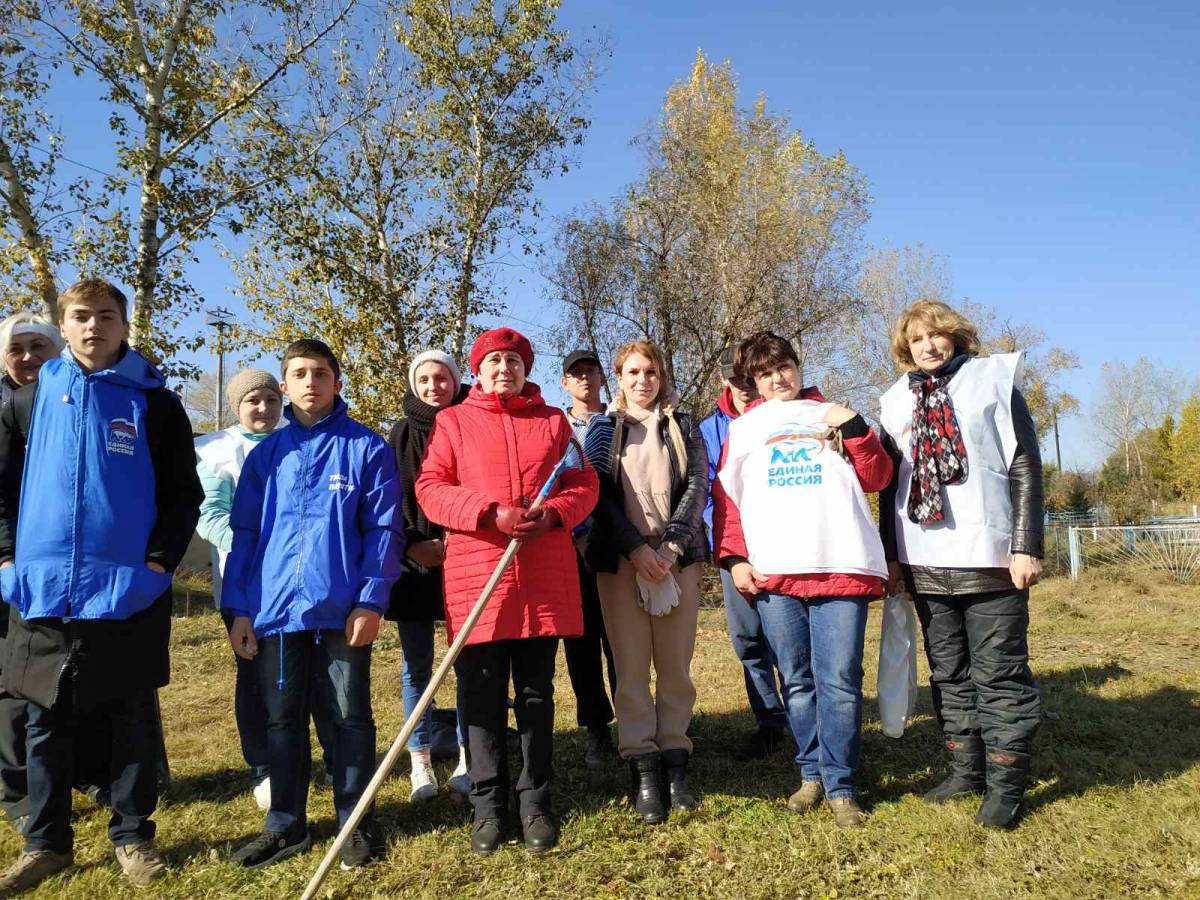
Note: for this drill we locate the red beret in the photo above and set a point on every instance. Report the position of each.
(502, 339)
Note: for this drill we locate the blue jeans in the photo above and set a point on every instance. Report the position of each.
(818, 646)
(251, 718)
(50, 746)
(318, 670)
(416, 668)
(758, 666)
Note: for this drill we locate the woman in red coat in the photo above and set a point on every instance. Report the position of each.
(487, 459)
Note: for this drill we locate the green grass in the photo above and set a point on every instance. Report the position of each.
(1115, 811)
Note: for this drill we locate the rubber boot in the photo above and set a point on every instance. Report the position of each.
(966, 770)
(682, 796)
(1007, 779)
(646, 794)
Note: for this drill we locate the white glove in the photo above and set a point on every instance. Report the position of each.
(658, 597)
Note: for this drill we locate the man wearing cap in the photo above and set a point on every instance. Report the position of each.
(745, 628)
(582, 378)
(255, 398)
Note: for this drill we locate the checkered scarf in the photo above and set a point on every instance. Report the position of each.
(938, 454)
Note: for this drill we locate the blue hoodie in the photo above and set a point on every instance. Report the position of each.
(87, 505)
(317, 527)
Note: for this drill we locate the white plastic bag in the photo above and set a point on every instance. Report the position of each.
(897, 665)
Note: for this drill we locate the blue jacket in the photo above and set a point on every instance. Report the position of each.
(317, 527)
(98, 498)
(713, 430)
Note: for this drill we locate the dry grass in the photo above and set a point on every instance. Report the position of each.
(1115, 811)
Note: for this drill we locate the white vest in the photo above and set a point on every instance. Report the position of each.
(802, 507)
(224, 452)
(977, 530)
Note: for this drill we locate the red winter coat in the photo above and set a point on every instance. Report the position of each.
(873, 467)
(484, 451)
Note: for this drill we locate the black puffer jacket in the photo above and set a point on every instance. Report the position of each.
(613, 535)
(1025, 489)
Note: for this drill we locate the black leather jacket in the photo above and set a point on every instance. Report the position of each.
(1025, 489)
(613, 535)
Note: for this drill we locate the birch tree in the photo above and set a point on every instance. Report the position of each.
(179, 81)
(505, 89)
(737, 223)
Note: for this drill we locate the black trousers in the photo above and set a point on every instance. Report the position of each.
(978, 651)
(483, 675)
(14, 799)
(584, 662)
(132, 751)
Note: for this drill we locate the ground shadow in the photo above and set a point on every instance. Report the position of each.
(1087, 740)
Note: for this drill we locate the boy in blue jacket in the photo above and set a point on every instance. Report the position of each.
(98, 500)
(317, 542)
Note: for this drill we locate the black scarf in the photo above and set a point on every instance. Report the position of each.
(939, 456)
(409, 439)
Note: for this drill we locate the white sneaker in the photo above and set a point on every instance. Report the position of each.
(460, 781)
(262, 793)
(424, 782)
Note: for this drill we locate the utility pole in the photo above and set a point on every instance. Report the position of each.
(222, 320)
(1057, 447)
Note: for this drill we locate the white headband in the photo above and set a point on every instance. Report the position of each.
(46, 331)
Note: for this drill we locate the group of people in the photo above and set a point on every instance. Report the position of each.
(321, 529)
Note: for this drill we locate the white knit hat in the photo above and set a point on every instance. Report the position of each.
(436, 356)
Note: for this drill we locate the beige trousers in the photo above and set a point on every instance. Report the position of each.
(648, 722)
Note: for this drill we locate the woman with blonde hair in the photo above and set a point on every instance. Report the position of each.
(962, 530)
(646, 545)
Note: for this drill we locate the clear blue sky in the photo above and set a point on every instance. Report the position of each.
(1049, 151)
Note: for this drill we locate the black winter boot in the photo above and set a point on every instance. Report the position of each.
(682, 796)
(646, 795)
(1007, 778)
(966, 770)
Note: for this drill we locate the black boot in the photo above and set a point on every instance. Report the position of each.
(1007, 778)
(966, 770)
(682, 796)
(647, 792)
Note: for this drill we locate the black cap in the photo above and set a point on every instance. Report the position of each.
(578, 356)
(727, 371)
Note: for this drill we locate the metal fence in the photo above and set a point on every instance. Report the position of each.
(1172, 547)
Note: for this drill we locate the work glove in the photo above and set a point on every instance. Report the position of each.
(504, 519)
(658, 598)
(535, 523)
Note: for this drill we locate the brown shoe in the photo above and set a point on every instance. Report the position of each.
(807, 798)
(141, 863)
(31, 869)
(846, 812)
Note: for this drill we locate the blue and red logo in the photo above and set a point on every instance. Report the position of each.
(122, 436)
(795, 443)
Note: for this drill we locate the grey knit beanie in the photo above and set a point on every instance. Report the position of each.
(246, 381)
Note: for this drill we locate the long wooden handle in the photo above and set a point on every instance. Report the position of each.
(389, 761)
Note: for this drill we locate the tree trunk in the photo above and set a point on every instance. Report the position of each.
(146, 271)
(462, 299)
(31, 237)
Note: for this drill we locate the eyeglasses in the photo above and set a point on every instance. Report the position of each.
(584, 375)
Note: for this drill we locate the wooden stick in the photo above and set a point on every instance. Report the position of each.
(393, 754)
(398, 745)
